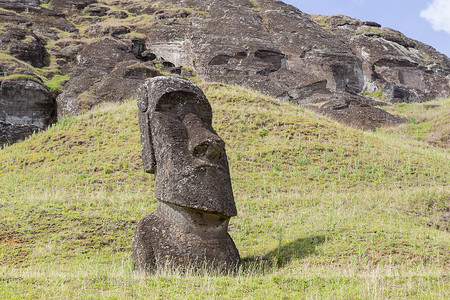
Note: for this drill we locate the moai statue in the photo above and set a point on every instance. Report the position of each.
(192, 181)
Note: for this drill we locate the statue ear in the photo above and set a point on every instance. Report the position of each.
(148, 155)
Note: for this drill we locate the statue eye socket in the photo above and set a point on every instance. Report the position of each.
(182, 105)
(166, 105)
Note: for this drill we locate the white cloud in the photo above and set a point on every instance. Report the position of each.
(438, 14)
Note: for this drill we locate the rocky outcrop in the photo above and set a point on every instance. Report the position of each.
(20, 2)
(279, 50)
(25, 106)
(264, 45)
(107, 71)
(110, 71)
(67, 5)
(47, 23)
(399, 68)
(24, 45)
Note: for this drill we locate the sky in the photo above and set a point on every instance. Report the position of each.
(427, 21)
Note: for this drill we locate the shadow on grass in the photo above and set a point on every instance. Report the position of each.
(281, 256)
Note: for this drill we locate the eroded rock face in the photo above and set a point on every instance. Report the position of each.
(106, 72)
(25, 106)
(23, 45)
(277, 49)
(402, 68)
(192, 181)
(65, 5)
(21, 2)
(265, 45)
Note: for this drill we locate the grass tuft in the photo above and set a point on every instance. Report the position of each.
(55, 84)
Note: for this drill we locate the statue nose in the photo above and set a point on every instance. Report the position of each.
(209, 148)
(203, 141)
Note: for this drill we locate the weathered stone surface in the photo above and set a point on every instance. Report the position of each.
(279, 50)
(21, 2)
(119, 14)
(268, 46)
(25, 106)
(356, 111)
(67, 5)
(404, 69)
(44, 19)
(106, 72)
(119, 30)
(98, 11)
(192, 181)
(41, 21)
(265, 45)
(70, 52)
(24, 45)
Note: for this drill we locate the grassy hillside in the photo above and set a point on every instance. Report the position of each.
(428, 122)
(324, 211)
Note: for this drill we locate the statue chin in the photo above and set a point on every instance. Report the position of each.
(207, 189)
(207, 225)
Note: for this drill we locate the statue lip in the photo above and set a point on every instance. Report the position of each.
(210, 166)
(205, 166)
(204, 169)
(194, 210)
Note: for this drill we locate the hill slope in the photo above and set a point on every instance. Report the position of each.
(77, 54)
(324, 211)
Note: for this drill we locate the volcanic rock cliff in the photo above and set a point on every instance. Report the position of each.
(88, 52)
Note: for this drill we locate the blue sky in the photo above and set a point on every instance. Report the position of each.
(427, 21)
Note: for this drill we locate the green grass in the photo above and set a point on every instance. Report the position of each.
(46, 5)
(376, 95)
(324, 211)
(55, 84)
(20, 76)
(427, 122)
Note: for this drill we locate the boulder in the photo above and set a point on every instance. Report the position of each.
(356, 111)
(106, 72)
(25, 106)
(24, 45)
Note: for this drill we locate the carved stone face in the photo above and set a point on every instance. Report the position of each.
(191, 163)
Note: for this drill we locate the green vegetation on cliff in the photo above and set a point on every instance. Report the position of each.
(324, 211)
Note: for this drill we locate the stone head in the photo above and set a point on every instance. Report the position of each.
(182, 149)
